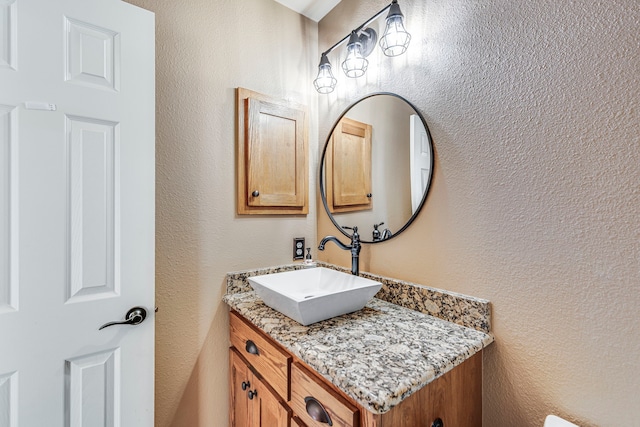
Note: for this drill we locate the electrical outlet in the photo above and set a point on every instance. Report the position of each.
(298, 248)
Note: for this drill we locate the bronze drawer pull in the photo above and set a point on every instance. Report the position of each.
(252, 348)
(316, 411)
(437, 423)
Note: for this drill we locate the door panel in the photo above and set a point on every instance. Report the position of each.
(8, 209)
(9, 399)
(92, 192)
(92, 55)
(93, 389)
(8, 38)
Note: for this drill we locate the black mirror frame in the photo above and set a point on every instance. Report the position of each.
(324, 152)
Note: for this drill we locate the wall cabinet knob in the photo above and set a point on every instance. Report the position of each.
(255, 193)
(437, 423)
(245, 385)
(252, 394)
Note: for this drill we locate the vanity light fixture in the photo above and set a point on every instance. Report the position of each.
(361, 43)
(325, 82)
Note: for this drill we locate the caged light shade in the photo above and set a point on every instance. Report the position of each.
(395, 39)
(355, 65)
(325, 82)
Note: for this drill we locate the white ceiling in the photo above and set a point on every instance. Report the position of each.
(312, 9)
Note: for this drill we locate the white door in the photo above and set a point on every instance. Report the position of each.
(420, 160)
(76, 213)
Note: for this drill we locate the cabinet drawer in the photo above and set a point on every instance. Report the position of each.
(312, 400)
(271, 362)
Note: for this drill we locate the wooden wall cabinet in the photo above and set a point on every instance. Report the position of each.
(292, 394)
(271, 155)
(348, 167)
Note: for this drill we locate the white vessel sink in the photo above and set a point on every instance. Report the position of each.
(314, 294)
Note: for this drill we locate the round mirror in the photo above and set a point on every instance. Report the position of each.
(376, 167)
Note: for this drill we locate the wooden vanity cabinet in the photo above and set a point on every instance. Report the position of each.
(291, 394)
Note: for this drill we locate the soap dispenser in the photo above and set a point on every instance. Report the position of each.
(308, 261)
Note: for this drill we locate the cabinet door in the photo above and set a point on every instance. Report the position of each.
(239, 374)
(348, 163)
(252, 403)
(272, 155)
(276, 155)
(268, 411)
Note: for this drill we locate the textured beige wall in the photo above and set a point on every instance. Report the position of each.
(204, 50)
(535, 115)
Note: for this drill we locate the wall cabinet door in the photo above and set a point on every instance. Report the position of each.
(275, 155)
(348, 167)
(252, 402)
(272, 155)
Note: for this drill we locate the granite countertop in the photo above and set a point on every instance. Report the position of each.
(379, 355)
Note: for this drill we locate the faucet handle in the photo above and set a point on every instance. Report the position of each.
(355, 237)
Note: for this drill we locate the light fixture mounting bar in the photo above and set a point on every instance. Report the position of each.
(358, 29)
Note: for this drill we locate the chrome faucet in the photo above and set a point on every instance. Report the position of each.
(378, 235)
(354, 247)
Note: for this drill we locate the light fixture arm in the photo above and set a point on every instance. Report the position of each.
(359, 29)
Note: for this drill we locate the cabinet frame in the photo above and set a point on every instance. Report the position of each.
(249, 106)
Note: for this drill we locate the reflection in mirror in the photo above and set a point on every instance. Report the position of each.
(376, 167)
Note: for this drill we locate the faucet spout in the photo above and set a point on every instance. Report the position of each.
(333, 239)
(354, 247)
